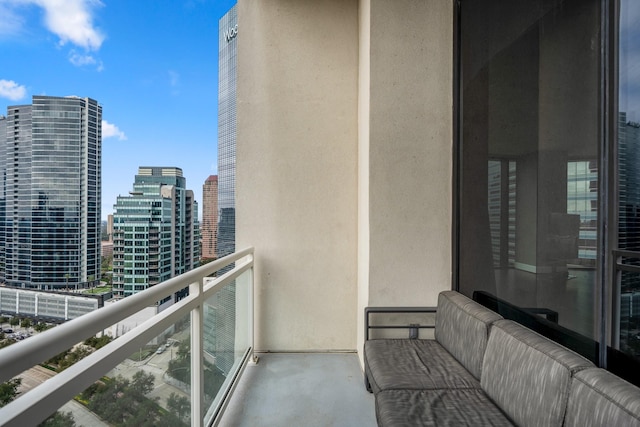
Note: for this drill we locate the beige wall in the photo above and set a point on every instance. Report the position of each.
(344, 162)
(296, 198)
(410, 157)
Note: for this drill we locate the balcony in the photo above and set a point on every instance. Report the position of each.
(214, 324)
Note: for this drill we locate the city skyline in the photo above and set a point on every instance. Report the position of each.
(153, 69)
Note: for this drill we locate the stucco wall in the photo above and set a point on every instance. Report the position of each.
(296, 183)
(344, 162)
(410, 157)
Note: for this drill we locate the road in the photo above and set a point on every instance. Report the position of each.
(156, 365)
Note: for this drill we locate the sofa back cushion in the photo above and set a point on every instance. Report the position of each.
(599, 398)
(528, 375)
(462, 328)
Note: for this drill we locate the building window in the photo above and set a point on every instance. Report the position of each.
(529, 150)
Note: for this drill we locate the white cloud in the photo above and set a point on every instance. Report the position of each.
(10, 22)
(79, 60)
(12, 90)
(72, 21)
(110, 130)
(82, 60)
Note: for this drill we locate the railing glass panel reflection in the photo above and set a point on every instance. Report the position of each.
(179, 366)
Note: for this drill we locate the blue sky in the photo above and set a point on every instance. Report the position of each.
(152, 65)
(629, 94)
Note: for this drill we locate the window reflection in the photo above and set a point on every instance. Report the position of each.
(529, 153)
(628, 282)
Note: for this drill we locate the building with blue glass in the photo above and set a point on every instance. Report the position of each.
(50, 165)
(155, 231)
(227, 75)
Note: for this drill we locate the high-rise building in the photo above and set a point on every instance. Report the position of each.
(155, 231)
(227, 77)
(50, 163)
(220, 311)
(209, 217)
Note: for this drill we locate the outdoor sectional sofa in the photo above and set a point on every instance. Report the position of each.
(483, 370)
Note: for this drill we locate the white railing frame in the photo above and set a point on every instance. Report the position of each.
(36, 405)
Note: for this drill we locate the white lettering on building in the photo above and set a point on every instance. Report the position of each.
(231, 33)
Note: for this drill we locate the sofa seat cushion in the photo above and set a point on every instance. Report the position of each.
(454, 407)
(413, 364)
(528, 375)
(599, 398)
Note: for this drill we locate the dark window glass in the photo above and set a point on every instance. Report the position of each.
(528, 166)
(626, 308)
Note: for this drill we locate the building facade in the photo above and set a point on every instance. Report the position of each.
(220, 311)
(51, 188)
(155, 229)
(209, 229)
(227, 125)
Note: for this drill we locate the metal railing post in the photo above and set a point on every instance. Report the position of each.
(197, 358)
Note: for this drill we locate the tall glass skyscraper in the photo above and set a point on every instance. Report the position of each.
(155, 231)
(209, 229)
(220, 310)
(227, 75)
(50, 164)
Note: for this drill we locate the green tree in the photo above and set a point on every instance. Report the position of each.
(9, 390)
(15, 321)
(59, 419)
(179, 405)
(142, 383)
(98, 342)
(26, 323)
(41, 326)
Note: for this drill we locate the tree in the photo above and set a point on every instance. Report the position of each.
(41, 326)
(142, 382)
(98, 342)
(26, 323)
(59, 419)
(15, 321)
(179, 405)
(9, 390)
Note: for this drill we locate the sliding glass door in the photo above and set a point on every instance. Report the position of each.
(529, 182)
(548, 169)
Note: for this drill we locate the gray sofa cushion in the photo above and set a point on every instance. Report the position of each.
(527, 375)
(413, 364)
(599, 398)
(462, 327)
(458, 407)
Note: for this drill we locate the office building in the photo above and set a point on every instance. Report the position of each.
(51, 184)
(220, 311)
(156, 231)
(209, 229)
(227, 123)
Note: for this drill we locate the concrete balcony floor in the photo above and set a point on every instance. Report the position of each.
(301, 389)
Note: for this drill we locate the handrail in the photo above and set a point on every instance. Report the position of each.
(61, 388)
(623, 253)
(626, 253)
(22, 355)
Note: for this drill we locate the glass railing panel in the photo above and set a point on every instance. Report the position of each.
(227, 339)
(140, 369)
(150, 387)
